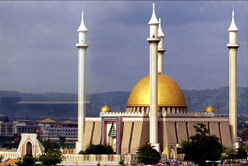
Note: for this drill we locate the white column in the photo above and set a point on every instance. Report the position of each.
(233, 91)
(153, 93)
(153, 114)
(161, 48)
(233, 47)
(82, 47)
(160, 61)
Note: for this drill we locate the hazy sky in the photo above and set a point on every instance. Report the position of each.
(38, 52)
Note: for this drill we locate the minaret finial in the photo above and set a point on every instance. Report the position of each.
(82, 27)
(233, 26)
(105, 103)
(153, 19)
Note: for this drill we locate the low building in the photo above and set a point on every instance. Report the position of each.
(7, 129)
(52, 130)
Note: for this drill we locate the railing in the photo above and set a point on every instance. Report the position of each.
(10, 154)
(91, 159)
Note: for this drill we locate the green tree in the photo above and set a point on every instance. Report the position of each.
(242, 154)
(27, 161)
(148, 155)
(52, 157)
(50, 145)
(201, 146)
(98, 149)
(229, 154)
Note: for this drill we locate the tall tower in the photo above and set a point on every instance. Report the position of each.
(233, 48)
(161, 48)
(153, 115)
(82, 47)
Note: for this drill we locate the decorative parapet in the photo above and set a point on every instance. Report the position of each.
(128, 119)
(194, 115)
(183, 117)
(164, 114)
(10, 154)
(92, 119)
(189, 119)
(124, 114)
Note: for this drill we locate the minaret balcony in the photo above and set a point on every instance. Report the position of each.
(83, 45)
(232, 45)
(156, 40)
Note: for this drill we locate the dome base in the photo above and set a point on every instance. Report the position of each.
(146, 109)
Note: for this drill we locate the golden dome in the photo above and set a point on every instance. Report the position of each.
(105, 109)
(209, 109)
(169, 93)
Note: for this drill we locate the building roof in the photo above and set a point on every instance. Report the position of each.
(69, 122)
(48, 120)
(169, 93)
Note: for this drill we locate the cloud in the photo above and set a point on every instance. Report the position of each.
(38, 52)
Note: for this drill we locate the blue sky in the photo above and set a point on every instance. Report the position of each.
(38, 52)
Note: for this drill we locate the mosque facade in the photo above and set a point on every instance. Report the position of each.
(156, 111)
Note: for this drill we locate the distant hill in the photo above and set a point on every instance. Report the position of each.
(198, 99)
(217, 98)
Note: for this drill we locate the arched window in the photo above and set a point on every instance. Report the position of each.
(29, 149)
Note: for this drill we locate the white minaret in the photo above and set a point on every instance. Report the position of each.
(161, 48)
(82, 47)
(153, 42)
(233, 48)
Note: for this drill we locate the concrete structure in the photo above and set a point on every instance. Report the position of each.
(129, 159)
(11, 128)
(29, 145)
(156, 111)
(52, 130)
(233, 48)
(153, 42)
(7, 129)
(161, 48)
(82, 47)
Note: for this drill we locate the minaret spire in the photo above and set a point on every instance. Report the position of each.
(82, 48)
(82, 27)
(153, 19)
(153, 114)
(233, 27)
(233, 48)
(161, 48)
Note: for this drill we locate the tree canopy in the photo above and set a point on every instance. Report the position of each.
(50, 145)
(51, 157)
(240, 153)
(148, 155)
(202, 146)
(27, 161)
(98, 149)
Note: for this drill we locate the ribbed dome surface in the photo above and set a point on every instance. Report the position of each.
(169, 93)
